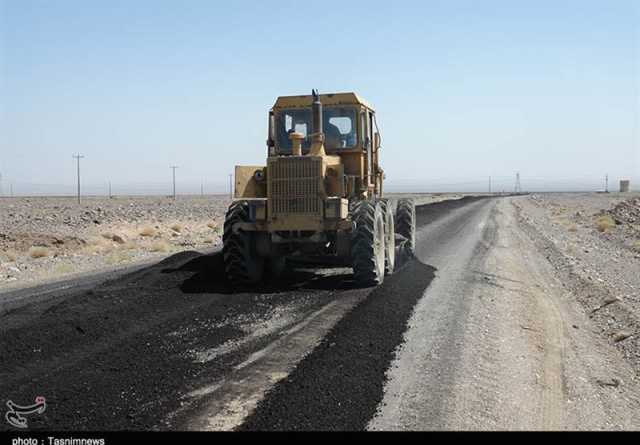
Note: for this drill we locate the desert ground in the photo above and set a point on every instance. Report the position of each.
(47, 238)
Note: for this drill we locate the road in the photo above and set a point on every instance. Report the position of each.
(474, 333)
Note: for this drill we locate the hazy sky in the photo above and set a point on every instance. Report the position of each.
(463, 89)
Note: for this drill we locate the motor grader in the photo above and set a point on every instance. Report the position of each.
(319, 197)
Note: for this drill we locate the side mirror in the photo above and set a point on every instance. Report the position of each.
(377, 141)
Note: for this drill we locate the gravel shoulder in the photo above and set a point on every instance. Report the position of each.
(598, 264)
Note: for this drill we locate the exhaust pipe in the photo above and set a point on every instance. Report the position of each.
(316, 112)
(317, 137)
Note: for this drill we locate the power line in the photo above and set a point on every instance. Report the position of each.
(173, 167)
(78, 157)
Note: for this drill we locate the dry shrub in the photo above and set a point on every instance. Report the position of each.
(177, 227)
(208, 240)
(212, 225)
(605, 223)
(9, 255)
(159, 246)
(148, 231)
(113, 237)
(38, 252)
(118, 257)
(573, 228)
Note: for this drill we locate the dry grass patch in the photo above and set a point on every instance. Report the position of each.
(130, 245)
(38, 252)
(120, 256)
(148, 231)
(159, 246)
(605, 223)
(573, 228)
(636, 246)
(215, 227)
(177, 227)
(208, 240)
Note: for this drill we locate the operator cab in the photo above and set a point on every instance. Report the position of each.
(348, 123)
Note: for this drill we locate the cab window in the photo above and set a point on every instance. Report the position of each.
(339, 124)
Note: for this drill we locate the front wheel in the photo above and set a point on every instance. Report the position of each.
(243, 266)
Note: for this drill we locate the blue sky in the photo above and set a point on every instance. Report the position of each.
(463, 89)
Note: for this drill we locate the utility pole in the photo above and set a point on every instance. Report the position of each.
(11, 189)
(606, 183)
(173, 167)
(230, 186)
(489, 184)
(202, 188)
(77, 158)
(110, 195)
(518, 187)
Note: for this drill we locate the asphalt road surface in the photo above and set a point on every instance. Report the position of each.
(473, 333)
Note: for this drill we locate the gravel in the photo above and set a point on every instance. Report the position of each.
(599, 268)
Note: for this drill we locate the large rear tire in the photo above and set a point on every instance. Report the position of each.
(243, 266)
(390, 238)
(406, 223)
(368, 243)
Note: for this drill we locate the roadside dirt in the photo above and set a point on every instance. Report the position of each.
(598, 264)
(48, 238)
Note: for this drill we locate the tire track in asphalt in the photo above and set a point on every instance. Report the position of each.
(340, 384)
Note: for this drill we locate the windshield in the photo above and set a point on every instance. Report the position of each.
(339, 128)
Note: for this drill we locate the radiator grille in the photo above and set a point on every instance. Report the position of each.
(294, 185)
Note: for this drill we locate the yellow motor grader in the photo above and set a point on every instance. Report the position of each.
(319, 196)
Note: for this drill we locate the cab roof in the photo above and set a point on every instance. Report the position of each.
(332, 99)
